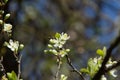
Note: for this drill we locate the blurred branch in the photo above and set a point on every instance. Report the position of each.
(73, 68)
(2, 70)
(19, 67)
(58, 70)
(108, 55)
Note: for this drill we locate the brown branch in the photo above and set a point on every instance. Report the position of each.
(73, 68)
(108, 55)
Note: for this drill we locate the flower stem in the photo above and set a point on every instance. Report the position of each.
(58, 68)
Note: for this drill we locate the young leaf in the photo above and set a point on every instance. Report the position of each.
(57, 35)
(100, 52)
(104, 50)
(12, 76)
(84, 70)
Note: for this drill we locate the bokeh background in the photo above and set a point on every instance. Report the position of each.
(91, 24)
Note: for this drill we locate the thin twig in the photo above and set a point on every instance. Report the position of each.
(73, 68)
(1, 66)
(58, 68)
(19, 67)
(18, 59)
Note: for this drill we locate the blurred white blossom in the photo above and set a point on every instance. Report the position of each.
(7, 28)
(59, 40)
(113, 71)
(56, 44)
(103, 77)
(1, 21)
(13, 45)
(63, 77)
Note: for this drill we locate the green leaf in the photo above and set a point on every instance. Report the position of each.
(104, 50)
(84, 70)
(12, 76)
(93, 66)
(57, 35)
(100, 52)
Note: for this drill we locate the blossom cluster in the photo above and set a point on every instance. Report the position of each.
(14, 45)
(7, 28)
(55, 45)
(95, 63)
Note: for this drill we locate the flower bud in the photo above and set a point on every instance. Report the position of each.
(7, 16)
(1, 21)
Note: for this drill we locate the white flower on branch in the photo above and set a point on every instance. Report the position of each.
(103, 77)
(13, 45)
(56, 44)
(113, 71)
(63, 77)
(7, 28)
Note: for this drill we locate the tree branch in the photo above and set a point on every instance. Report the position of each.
(73, 68)
(19, 67)
(108, 54)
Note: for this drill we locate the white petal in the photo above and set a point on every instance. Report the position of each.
(103, 77)
(112, 72)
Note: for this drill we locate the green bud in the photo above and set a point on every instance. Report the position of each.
(21, 46)
(1, 12)
(1, 21)
(6, 43)
(67, 50)
(54, 51)
(50, 46)
(45, 51)
(53, 41)
(7, 16)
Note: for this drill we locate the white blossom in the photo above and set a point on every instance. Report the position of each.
(64, 36)
(13, 45)
(112, 72)
(60, 41)
(95, 60)
(103, 77)
(56, 44)
(1, 21)
(7, 28)
(63, 77)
